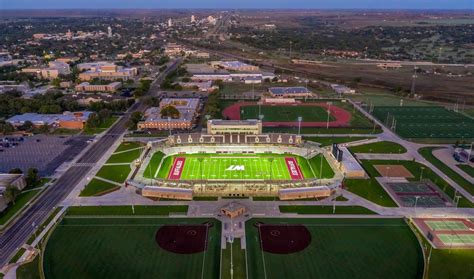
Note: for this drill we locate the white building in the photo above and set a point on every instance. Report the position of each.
(109, 32)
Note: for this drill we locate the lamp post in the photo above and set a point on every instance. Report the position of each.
(416, 202)
(329, 110)
(421, 174)
(299, 124)
(169, 124)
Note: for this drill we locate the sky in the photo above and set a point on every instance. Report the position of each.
(239, 4)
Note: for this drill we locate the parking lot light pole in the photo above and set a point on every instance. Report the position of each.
(421, 174)
(299, 124)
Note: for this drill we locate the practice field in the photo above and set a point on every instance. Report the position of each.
(243, 167)
(332, 248)
(426, 122)
(313, 114)
(133, 248)
(393, 171)
(286, 113)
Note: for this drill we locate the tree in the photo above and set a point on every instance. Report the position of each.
(16, 171)
(135, 117)
(27, 126)
(11, 193)
(32, 176)
(93, 121)
(170, 111)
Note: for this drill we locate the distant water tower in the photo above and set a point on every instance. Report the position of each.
(109, 32)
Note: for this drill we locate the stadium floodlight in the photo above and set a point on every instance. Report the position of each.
(261, 116)
(299, 124)
(329, 110)
(421, 175)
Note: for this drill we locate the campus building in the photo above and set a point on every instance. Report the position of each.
(234, 66)
(67, 120)
(105, 70)
(173, 49)
(342, 89)
(188, 110)
(221, 127)
(10, 180)
(54, 69)
(289, 92)
(87, 87)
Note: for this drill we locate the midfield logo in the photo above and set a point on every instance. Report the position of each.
(236, 168)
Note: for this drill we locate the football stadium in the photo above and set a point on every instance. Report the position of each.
(187, 165)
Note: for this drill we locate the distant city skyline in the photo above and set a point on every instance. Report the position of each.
(240, 4)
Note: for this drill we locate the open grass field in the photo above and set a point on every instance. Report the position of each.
(415, 169)
(117, 173)
(340, 248)
(286, 113)
(233, 256)
(427, 153)
(124, 156)
(125, 248)
(426, 122)
(381, 147)
(97, 187)
(243, 167)
(371, 190)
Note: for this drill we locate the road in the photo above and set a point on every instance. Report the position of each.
(25, 225)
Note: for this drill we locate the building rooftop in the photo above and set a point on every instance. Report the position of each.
(234, 122)
(289, 90)
(187, 108)
(48, 119)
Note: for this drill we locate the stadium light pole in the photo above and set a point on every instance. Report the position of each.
(421, 175)
(329, 109)
(299, 124)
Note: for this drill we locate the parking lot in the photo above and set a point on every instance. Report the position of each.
(43, 152)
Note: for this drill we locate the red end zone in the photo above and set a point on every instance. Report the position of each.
(293, 168)
(177, 168)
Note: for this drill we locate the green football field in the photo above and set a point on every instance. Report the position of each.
(340, 248)
(93, 247)
(243, 167)
(286, 113)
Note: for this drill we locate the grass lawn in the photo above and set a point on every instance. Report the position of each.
(286, 113)
(102, 127)
(451, 263)
(127, 145)
(126, 210)
(124, 157)
(20, 203)
(233, 253)
(427, 153)
(325, 141)
(125, 248)
(467, 169)
(324, 209)
(97, 187)
(415, 169)
(371, 190)
(340, 248)
(17, 256)
(114, 173)
(255, 166)
(29, 270)
(153, 165)
(379, 147)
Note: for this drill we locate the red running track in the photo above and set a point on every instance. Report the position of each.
(342, 116)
